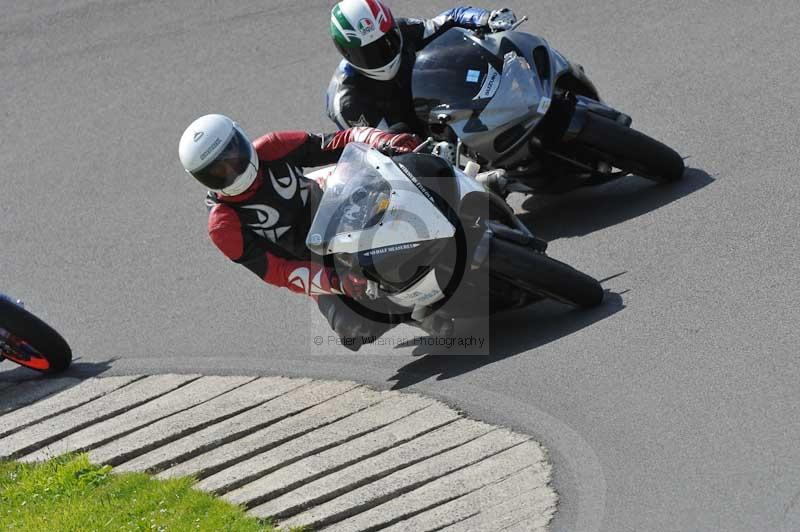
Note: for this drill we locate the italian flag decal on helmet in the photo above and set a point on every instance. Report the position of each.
(382, 15)
(341, 30)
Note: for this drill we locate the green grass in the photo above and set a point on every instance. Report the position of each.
(70, 494)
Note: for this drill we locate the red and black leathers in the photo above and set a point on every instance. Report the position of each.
(265, 228)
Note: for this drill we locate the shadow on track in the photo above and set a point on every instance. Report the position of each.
(511, 334)
(590, 209)
(577, 213)
(11, 372)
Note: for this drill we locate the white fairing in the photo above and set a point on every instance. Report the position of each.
(467, 184)
(427, 291)
(410, 216)
(409, 219)
(321, 175)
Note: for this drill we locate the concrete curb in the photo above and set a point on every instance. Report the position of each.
(334, 455)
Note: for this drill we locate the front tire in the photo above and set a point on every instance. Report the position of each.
(539, 274)
(631, 150)
(30, 342)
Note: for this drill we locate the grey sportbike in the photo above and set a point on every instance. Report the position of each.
(425, 234)
(510, 102)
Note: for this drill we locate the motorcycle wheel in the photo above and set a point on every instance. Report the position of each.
(539, 274)
(30, 342)
(631, 150)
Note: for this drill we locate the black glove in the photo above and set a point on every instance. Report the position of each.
(353, 329)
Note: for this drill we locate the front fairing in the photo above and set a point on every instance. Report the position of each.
(370, 204)
(450, 73)
(483, 87)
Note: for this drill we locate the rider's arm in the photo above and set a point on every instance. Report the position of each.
(303, 149)
(421, 32)
(303, 277)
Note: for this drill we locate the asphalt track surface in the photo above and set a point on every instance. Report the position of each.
(675, 406)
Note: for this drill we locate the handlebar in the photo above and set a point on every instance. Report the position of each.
(423, 145)
(518, 23)
(481, 32)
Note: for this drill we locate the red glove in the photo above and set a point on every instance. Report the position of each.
(397, 144)
(390, 143)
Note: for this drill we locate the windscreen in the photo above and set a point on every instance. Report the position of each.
(453, 70)
(356, 198)
(517, 96)
(457, 76)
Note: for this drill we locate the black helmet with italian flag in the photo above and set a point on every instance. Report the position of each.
(366, 34)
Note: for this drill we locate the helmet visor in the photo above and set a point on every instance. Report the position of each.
(231, 162)
(376, 54)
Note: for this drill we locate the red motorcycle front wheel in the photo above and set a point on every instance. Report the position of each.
(30, 342)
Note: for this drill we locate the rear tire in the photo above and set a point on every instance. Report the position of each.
(37, 334)
(630, 150)
(539, 274)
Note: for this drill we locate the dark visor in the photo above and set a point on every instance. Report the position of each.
(228, 165)
(374, 55)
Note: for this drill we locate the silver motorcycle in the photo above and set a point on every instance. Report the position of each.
(424, 233)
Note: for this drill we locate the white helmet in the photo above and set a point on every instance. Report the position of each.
(216, 152)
